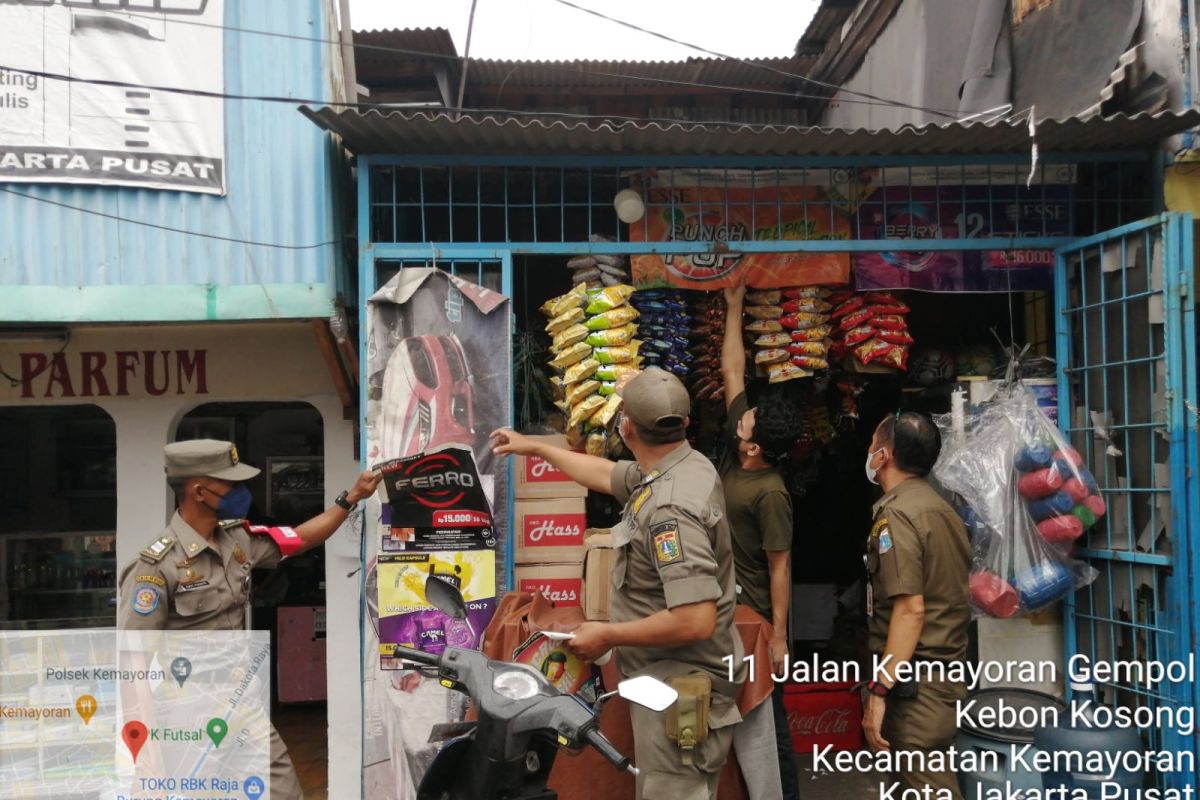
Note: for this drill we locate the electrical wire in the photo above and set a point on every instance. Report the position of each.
(871, 100)
(756, 65)
(292, 101)
(168, 228)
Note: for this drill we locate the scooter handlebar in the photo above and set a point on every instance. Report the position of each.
(597, 740)
(419, 656)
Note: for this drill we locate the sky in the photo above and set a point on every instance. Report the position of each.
(546, 29)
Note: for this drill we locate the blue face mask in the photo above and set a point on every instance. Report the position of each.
(235, 504)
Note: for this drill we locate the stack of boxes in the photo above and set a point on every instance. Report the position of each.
(549, 524)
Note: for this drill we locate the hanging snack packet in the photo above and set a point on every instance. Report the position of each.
(893, 337)
(854, 319)
(614, 373)
(898, 308)
(796, 292)
(572, 299)
(617, 355)
(607, 388)
(606, 413)
(571, 355)
(764, 297)
(567, 337)
(581, 390)
(884, 298)
(890, 322)
(597, 444)
(584, 369)
(612, 319)
(802, 320)
(773, 340)
(871, 349)
(764, 312)
(811, 334)
(856, 336)
(609, 298)
(612, 336)
(848, 307)
(564, 321)
(584, 409)
(778, 373)
(810, 304)
(816, 349)
(772, 356)
(810, 362)
(764, 326)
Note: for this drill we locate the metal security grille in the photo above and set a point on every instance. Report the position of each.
(1127, 392)
(526, 206)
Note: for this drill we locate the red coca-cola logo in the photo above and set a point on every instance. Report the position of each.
(564, 591)
(829, 721)
(539, 470)
(555, 530)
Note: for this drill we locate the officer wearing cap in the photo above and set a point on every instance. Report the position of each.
(196, 574)
(918, 558)
(673, 585)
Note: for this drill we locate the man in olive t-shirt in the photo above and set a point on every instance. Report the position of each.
(760, 511)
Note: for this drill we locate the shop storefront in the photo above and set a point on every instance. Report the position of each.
(990, 255)
(85, 412)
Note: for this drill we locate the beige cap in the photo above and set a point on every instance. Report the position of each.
(207, 458)
(657, 401)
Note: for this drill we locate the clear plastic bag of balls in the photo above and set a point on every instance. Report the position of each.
(1025, 496)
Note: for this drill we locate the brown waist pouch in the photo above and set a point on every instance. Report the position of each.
(687, 719)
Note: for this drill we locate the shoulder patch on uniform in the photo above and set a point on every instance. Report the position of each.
(640, 500)
(880, 525)
(157, 581)
(885, 540)
(159, 549)
(145, 599)
(668, 549)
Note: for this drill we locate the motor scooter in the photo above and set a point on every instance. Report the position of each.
(508, 752)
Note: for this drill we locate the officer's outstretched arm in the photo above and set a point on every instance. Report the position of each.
(591, 471)
(733, 351)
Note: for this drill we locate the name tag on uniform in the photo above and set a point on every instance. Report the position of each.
(187, 587)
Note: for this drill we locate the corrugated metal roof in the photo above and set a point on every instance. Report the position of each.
(434, 41)
(438, 133)
(279, 180)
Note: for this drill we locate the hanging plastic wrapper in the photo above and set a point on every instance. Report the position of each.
(1025, 497)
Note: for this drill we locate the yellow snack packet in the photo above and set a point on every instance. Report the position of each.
(617, 355)
(581, 390)
(764, 297)
(584, 369)
(606, 413)
(608, 298)
(572, 355)
(564, 321)
(773, 340)
(584, 409)
(567, 337)
(612, 319)
(764, 326)
(771, 356)
(778, 373)
(613, 336)
(572, 299)
(597, 444)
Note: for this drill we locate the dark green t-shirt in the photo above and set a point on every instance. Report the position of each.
(760, 517)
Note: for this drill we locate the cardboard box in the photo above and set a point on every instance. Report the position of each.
(821, 714)
(536, 479)
(550, 531)
(599, 558)
(560, 583)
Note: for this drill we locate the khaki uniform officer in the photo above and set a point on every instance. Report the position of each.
(672, 585)
(196, 574)
(918, 558)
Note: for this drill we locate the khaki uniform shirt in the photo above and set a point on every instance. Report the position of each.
(918, 545)
(674, 549)
(183, 582)
(760, 518)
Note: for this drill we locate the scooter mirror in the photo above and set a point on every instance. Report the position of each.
(648, 692)
(445, 597)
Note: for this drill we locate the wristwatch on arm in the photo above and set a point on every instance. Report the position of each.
(343, 500)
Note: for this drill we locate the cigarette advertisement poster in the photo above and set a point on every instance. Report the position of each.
(727, 215)
(56, 130)
(926, 212)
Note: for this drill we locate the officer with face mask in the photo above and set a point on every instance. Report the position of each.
(196, 574)
(918, 558)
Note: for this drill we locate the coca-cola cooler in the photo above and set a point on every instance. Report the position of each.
(822, 714)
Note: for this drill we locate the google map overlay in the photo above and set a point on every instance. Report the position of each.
(135, 715)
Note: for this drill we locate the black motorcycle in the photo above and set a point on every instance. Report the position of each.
(523, 720)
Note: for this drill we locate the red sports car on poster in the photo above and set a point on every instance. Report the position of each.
(427, 397)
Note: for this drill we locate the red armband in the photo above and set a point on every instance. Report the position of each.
(288, 541)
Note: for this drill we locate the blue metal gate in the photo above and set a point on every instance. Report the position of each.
(1127, 400)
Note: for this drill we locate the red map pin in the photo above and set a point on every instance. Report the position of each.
(134, 733)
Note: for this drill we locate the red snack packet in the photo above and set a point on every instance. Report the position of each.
(854, 319)
(885, 298)
(859, 335)
(898, 308)
(869, 351)
(812, 305)
(842, 309)
(890, 322)
(895, 337)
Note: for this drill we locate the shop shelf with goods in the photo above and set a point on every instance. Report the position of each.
(63, 576)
